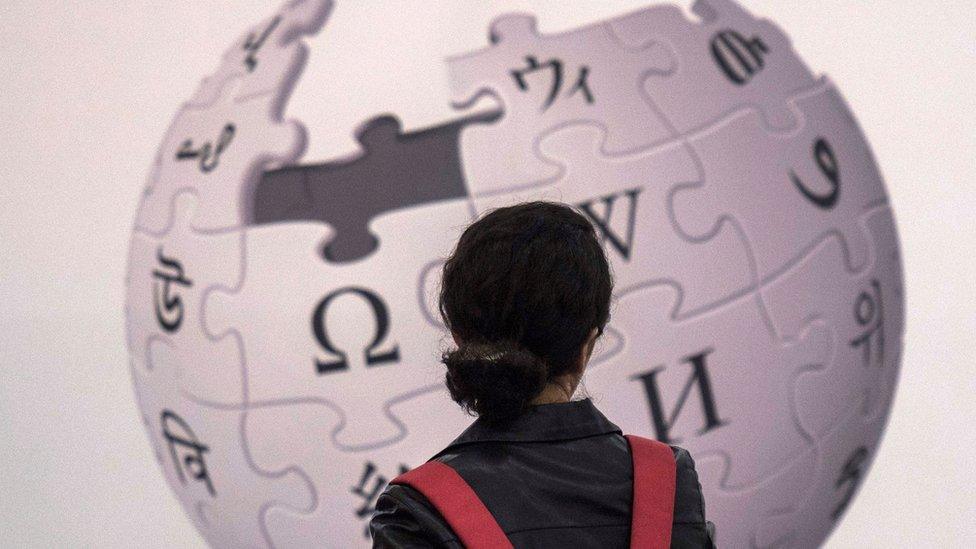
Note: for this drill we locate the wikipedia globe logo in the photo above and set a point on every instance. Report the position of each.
(280, 312)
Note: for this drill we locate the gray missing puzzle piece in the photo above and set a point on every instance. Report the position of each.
(395, 170)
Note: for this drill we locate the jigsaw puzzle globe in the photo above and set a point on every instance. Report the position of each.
(281, 312)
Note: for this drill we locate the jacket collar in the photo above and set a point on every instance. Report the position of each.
(542, 422)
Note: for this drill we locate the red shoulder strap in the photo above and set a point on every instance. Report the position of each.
(654, 486)
(651, 515)
(457, 503)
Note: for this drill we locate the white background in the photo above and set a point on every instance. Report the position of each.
(87, 90)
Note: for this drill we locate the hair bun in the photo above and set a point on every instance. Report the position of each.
(494, 380)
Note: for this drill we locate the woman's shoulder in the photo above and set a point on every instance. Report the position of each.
(405, 518)
(690, 523)
(689, 502)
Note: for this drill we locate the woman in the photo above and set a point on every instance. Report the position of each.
(526, 293)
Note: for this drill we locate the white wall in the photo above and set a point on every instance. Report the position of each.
(88, 88)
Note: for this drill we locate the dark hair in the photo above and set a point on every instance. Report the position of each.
(522, 289)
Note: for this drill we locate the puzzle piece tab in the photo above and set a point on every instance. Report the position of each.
(319, 332)
(730, 507)
(865, 312)
(718, 382)
(545, 82)
(725, 62)
(809, 183)
(168, 279)
(844, 457)
(268, 57)
(627, 198)
(204, 460)
(346, 483)
(219, 153)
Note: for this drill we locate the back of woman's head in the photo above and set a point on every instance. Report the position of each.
(523, 289)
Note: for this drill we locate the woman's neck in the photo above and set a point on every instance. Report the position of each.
(553, 392)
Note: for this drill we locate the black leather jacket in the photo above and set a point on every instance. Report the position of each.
(559, 476)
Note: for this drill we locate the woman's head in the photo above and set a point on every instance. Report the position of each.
(524, 293)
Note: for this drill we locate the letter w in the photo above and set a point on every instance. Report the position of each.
(604, 223)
